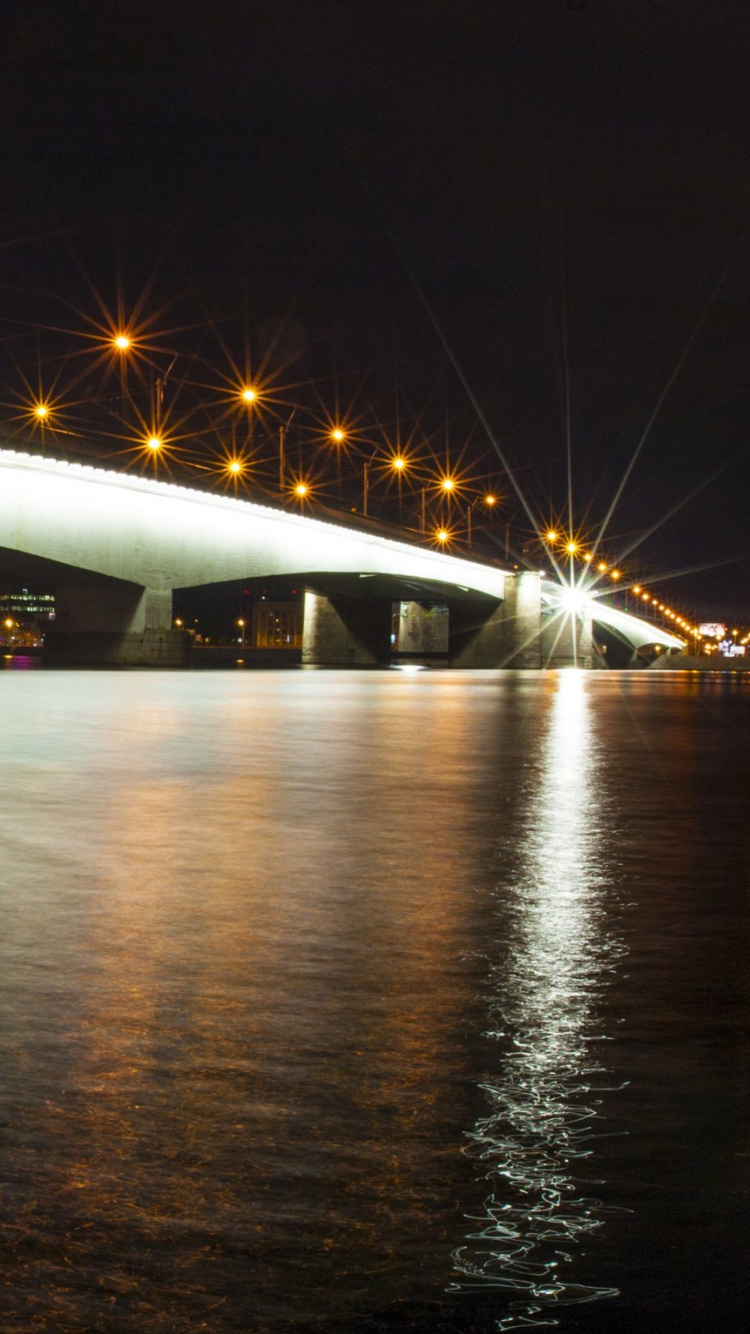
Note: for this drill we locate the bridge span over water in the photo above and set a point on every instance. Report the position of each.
(115, 547)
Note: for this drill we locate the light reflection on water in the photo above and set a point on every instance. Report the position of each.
(536, 1145)
(242, 1001)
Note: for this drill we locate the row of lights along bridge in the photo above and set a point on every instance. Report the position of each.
(443, 503)
(450, 506)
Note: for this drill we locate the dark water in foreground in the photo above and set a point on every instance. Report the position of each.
(377, 1001)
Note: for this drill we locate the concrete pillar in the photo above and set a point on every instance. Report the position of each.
(421, 631)
(508, 635)
(115, 625)
(567, 640)
(345, 632)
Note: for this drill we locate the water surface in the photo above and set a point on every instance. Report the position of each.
(397, 1001)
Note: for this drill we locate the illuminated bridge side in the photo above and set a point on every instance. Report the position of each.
(115, 547)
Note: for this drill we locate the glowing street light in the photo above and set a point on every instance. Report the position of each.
(241, 624)
(615, 574)
(122, 342)
(301, 489)
(338, 435)
(571, 547)
(447, 484)
(490, 500)
(550, 535)
(442, 536)
(234, 467)
(602, 566)
(398, 463)
(248, 394)
(41, 411)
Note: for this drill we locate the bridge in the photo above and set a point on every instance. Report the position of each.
(115, 547)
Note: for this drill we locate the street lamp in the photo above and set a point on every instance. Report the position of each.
(282, 442)
(489, 500)
(241, 624)
(398, 465)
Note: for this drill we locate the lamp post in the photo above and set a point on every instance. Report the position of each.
(398, 464)
(337, 437)
(159, 394)
(282, 442)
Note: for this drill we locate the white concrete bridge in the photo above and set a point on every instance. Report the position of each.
(115, 546)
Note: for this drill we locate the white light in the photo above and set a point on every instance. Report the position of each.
(574, 599)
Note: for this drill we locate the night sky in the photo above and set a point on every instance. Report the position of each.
(401, 207)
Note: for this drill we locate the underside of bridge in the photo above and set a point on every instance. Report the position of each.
(347, 620)
(369, 620)
(99, 620)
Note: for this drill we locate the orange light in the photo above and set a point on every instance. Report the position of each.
(399, 463)
(636, 588)
(646, 597)
(615, 575)
(490, 500)
(571, 548)
(121, 342)
(301, 489)
(154, 443)
(337, 435)
(587, 555)
(41, 411)
(447, 484)
(234, 466)
(550, 535)
(249, 394)
(442, 535)
(602, 566)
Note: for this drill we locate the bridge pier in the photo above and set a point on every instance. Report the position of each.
(345, 631)
(115, 625)
(519, 633)
(421, 631)
(568, 641)
(509, 635)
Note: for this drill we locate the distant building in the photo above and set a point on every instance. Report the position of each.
(24, 616)
(26, 607)
(275, 625)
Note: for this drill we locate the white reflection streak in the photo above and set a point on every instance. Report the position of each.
(535, 1142)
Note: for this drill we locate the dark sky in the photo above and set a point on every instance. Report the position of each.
(292, 172)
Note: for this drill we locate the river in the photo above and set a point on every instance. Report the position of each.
(379, 1000)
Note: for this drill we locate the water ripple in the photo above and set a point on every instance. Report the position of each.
(536, 1145)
